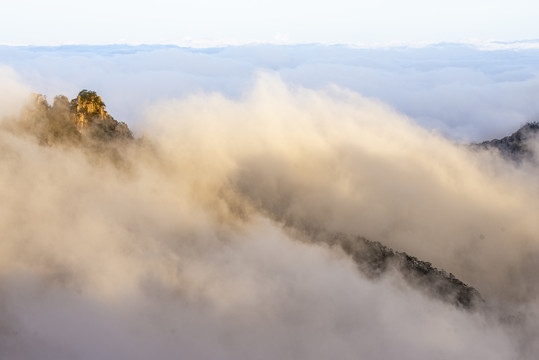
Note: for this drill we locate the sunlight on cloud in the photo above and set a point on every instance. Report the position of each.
(198, 245)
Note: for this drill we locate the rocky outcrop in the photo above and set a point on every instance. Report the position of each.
(81, 120)
(89, 114)
(374, 259)
(516, 146)
(85, 122)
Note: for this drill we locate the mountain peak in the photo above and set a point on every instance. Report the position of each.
(83, 119)
(515, 146)
(88, 106)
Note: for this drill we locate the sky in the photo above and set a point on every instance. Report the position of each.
(211, 22)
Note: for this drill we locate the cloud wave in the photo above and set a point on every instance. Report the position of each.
(190, 250)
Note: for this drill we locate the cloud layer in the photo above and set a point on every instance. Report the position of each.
(460, 90)
(184, 250)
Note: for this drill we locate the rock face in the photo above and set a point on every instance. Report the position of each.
(517, 145)
(90, 116)
(374, 259)
(83, 119)
(88, 106)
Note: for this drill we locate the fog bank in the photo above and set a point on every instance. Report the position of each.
(197, 246)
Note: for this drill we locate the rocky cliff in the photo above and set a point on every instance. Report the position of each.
(517, 146)
(90, 116)
(81, 120)
(374, 259)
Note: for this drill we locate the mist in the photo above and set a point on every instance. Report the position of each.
(201, 244)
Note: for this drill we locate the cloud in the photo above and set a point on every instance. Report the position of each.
(346, 163)
(184, 251)
(13, 92)
(458, 89)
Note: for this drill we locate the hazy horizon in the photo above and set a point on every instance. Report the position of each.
(466, 92)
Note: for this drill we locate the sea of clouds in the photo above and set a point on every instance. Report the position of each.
(463, 91)
(193, 248)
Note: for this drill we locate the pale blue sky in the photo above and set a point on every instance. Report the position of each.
(211, 22)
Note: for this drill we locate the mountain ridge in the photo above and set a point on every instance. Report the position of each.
(515, 147)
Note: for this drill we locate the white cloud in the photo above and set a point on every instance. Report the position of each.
(178, 253)
(459, 90)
